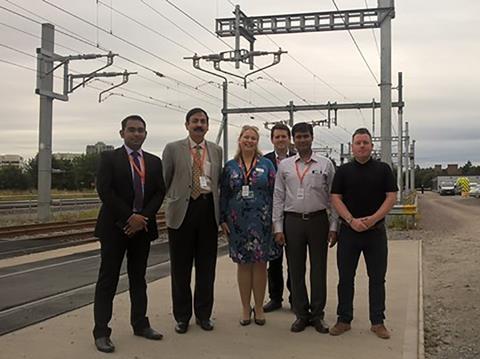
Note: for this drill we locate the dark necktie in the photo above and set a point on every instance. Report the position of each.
(137, 184)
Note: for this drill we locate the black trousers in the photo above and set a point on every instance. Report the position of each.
(275, 280)
(299, 235)
(373, 245)
(112, 252)
(194, 242)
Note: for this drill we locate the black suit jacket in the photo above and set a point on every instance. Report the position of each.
(271, 156)
(115, 189)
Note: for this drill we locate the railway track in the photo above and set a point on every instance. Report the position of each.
(87, 225)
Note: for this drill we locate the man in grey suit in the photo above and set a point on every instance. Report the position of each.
(192, 168)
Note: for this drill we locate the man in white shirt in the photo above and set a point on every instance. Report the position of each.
(300, 203)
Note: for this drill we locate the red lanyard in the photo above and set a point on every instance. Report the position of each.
(246, 174)
(302, 176)
(200, 162)
(140, 171)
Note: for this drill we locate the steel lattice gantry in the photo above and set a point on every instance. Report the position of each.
(249, 26)
(305, 22)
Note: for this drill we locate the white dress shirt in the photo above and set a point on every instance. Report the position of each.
(316, 186)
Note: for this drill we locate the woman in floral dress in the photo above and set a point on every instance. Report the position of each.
(246, 217)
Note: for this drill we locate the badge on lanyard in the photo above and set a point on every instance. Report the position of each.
(246, 192)
(203, 182)
(301, 190)
(301, 193)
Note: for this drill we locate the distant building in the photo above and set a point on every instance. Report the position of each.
(98, 148)
(11, 160)
(452, 170)
(66, 156)
(438, 168)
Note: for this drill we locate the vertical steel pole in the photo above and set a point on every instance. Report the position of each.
(407, 158)
(290, 120)
(412, 164)
(225, 121)
(400, 142)
(386, 81)
(237, 36)
(373, 117)
(45, 83)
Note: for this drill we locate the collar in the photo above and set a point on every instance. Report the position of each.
(276, 154)
(192, 143)
(313, 158)
(129, 151)
(363, 164)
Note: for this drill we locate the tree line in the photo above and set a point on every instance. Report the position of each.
(76, 174)
(79, 173)
(424, 176)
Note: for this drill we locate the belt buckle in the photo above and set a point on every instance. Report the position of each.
(305, 216)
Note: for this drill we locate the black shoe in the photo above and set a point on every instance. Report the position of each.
(258, 321)
(104, 344)
(181, 327)
(245, 322)
(205, 324)
(299, 325)
(149, 333)
(271, 306)
(320, 325)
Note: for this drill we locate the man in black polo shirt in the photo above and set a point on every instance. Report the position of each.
(363, 192)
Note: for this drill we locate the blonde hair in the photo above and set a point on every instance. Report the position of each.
(245, 129)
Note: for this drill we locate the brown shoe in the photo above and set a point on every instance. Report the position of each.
(339, 328)
(380, 331)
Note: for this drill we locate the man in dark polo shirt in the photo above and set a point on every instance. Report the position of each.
(363, 192)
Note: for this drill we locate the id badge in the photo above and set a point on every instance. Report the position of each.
(245, 191)
(301, 193)
(203, 182)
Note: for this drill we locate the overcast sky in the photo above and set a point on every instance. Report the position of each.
(436, 44)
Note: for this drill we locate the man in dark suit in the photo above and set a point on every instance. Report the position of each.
(192, 169)
(131, 187)
(280, 137)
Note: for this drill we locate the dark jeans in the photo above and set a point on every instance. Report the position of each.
(373, 245)
(112, 252)
(195, 241)
(301, 235)
(275, 280)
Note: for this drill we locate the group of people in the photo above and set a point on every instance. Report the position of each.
(263, 204)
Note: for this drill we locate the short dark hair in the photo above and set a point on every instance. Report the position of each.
(302, 127)
(281, 127)
(362, 131)
(133, 118)
(193, 111)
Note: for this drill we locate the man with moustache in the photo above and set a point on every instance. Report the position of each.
(192, 169)
(130, 185)
(363, 192)
(300, 219)
(280, 137)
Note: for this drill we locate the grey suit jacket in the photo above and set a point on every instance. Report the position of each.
(177, 172)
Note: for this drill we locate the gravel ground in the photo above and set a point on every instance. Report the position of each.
(449, 228)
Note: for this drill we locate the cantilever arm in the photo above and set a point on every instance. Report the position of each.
(124, 81)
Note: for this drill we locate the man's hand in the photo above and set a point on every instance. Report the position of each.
(358, 225)
(225, 228)
(368, 221)
(135, 223)
(332, 238)
(280, 238)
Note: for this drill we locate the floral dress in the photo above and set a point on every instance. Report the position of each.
(249, 218)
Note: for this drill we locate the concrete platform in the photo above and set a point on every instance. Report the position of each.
(69, 335)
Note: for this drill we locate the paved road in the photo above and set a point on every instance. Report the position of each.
(36, 291)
